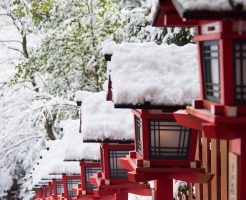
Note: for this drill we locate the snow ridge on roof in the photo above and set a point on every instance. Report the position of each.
(101, 121)
(155, 74)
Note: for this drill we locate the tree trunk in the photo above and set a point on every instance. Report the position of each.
(49, 130)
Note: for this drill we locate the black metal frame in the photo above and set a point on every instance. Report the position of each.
(72, 182)
(209, 89)
(138, 127)
(239, 55)
(114, 171)
(59, 188)
(90, 171)
(158, 152)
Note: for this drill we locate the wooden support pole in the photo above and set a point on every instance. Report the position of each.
(190, 186)
(199, 187)
(206, 164)
(224, 144)
(215, 169)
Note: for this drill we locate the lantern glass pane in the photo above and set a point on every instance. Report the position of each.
(168, 140)
(59, 188)
(115, 171)
(89, 172)
(211, 70)
(138, 130)
(71, 183)
(239, 62)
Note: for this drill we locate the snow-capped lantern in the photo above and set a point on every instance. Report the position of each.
(86, 155)
(114, 132)
(154, 89)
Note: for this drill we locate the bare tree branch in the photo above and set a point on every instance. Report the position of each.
(12, 48)
(10, 41)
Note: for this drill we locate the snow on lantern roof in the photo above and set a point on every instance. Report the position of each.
(155, 75)
(209, 9)
(69, 168)
(75, 149)
(50, 157)
(52, 163)
(102, 122)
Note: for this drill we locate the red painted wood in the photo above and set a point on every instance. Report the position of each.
(164, 189)
(109, 92)
(224, 131)
(121, 196)
(226, 68)
(174, 20)
(193, 145)
(185, 119)
(145, 139)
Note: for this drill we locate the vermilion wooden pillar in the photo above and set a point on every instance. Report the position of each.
(163, 189)
(121, 196)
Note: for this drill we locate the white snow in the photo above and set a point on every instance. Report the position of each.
(70, 147)
(100, 120)
(138, 197)
(154, 10)
(158, 74)
(75, 148)
(213, 5)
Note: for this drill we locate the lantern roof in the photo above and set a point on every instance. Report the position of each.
(101, 122)
(75, 149)
(146, 75)
(211, 9)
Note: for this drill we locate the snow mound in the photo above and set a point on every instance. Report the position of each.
(75, 148)
(150, 73)
(101, 121)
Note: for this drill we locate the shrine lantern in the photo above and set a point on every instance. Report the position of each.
(154, 88)
(220, 112)
(113, 130)
(87, 155)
